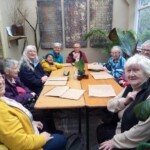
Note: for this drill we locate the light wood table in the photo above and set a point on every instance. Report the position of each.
(45, 102)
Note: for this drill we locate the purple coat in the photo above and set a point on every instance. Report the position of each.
(11, 92)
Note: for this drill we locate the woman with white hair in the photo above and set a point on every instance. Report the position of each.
(115, 64)
(56, 53)
(129, 131)
(15, 89)
(31, 72)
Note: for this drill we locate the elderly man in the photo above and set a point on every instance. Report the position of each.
(76, 54)
(146, 49)
(115, 64)
(56, 53)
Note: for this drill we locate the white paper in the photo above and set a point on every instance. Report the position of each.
(55, 82)
(95, 66)
(59, 78)
(57, 91)
(101, 75)
(101, 90)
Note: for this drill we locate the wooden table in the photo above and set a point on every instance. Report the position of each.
(44, 102)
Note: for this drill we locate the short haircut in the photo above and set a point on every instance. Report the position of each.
(118, 48)
(8, 64)
(139, 60)
(146, 43)
(57, 45)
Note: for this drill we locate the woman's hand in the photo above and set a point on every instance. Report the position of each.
(47, 136)
(44, 79)
(38, 124)
(107, 145)
(130, 97)
(33, 94)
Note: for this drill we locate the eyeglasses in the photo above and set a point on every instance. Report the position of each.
(146, 50)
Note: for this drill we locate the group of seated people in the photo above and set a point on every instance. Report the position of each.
(22, 83)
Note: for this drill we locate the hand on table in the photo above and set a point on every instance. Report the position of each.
(44, 79)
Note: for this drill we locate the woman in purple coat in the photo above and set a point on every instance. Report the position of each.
(15, 89)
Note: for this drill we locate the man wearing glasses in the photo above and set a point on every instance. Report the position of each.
(146, 49)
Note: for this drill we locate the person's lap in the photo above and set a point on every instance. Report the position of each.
(57, 143)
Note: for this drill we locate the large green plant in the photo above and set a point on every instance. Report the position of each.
(142, 110)
(125, 39)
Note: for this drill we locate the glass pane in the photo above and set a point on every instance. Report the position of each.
(143, 25)
(144, 2)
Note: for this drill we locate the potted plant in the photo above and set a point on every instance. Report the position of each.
(80, 72)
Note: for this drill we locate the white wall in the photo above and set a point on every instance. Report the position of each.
(123, 13)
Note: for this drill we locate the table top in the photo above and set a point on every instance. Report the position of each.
(46, 102)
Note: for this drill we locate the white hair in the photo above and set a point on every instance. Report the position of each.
(117, 48)
(8, 64)
(25, 60)
(57, 45)
(146, 43)
(139, 60)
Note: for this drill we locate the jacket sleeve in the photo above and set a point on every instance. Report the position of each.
(117, 103)
(58, 65)
(23, 99)
(132, 137)
(69, 59)
(84, 57)
(14, 136)
(28, 76)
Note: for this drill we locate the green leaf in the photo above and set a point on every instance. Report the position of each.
(142, 110)
(80, 65)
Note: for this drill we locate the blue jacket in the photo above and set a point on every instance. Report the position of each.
(57, 58)
(32, 79)
(11, 92)
(116, 68)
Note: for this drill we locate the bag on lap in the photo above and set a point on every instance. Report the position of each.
(75, 142)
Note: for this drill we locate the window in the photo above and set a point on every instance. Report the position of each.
(144, 20)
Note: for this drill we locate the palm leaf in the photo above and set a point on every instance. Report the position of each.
(142, 110)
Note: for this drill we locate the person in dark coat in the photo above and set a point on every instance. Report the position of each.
(15, 89)
(31, 72)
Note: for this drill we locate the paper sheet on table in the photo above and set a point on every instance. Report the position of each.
(67, 64)
(55, 82)
(59, 78)
(66, 92)
(101, 91)
(73, 94)
(101, 75)
(57, 91)
(94, 66)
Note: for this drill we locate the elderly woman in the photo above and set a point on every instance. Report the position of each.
(56, 53)
(49, 65)
(31, 72)
(129, 131)
(115, 64)
(19, 131)
(76, 54)
(146, 49)
(15, 89)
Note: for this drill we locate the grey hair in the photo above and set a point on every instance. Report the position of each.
(139, 60)
(146, 43)
(118, 48)
(57, 45)
(25, 60)
(9, 63)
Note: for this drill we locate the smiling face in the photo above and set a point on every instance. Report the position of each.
(115, 53)
(2, 86)
(57, 50)
(77, 47)
(135, 76)
(146, 50)
(31, 54)
(49, 58)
